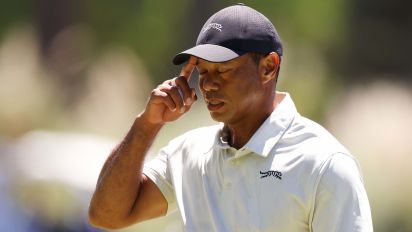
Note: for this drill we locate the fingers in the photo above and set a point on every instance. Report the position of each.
(188, 68)
(175, 94)
(184, 89)
(161, 97)
(173, 97)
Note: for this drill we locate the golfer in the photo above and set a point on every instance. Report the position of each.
(263, 167)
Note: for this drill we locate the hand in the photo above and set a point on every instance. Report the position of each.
(172, 98)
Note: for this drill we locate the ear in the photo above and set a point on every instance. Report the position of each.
(269, 67)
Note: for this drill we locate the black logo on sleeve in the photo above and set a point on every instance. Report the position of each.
(275, 174)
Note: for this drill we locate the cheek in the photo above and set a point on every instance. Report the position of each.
(242, 95)
(245, 94)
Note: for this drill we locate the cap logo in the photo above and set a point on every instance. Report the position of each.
(216, 26)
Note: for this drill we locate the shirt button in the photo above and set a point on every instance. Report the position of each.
(228, 184)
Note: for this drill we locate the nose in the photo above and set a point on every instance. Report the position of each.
(208, 83)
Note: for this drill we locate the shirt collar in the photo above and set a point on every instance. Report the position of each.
(269, 133)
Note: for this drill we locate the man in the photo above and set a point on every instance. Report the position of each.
(263, 168)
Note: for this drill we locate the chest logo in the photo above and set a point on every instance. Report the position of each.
(275, 174)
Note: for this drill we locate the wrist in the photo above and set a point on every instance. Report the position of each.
(143, 124)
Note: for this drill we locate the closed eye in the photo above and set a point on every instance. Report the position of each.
(223, 70)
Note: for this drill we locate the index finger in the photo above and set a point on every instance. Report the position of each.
(188, 68)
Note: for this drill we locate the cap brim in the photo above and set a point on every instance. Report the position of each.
(209, 52)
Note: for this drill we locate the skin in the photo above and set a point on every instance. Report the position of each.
(239, 93)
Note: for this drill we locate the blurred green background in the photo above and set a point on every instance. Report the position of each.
(74, 74)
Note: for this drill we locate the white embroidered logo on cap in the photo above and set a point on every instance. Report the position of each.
(215, 26)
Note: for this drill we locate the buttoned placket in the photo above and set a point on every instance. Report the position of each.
(228, 171)
(233, 167)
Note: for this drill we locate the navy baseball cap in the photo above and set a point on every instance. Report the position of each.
(232, 32)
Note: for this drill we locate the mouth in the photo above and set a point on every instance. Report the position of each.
(214, 104)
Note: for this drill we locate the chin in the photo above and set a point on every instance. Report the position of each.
(219, 117)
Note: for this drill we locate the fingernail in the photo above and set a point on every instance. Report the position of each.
(182, 110)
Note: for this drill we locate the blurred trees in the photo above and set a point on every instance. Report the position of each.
(379, 41)
(359, 39)
(89, 64)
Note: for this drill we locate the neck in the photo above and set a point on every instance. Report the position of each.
(240, 133)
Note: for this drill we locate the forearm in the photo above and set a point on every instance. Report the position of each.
(119, 181)
(122, 196)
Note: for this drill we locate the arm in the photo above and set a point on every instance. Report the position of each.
(123, 194)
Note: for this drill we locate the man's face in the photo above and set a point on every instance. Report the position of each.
(232, 90)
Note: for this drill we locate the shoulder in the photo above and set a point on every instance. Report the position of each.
(311, 144)
(313, 139)
(203, 131)
(332, 162)
(202, 134)
(340, 199)
(202, 137)
(340, 171)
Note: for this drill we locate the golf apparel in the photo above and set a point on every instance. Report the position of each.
(291, 176)
(232, 32)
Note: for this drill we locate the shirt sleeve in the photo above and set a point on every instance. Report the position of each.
(341, 203)
(159, 171)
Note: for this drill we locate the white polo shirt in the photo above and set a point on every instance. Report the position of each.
(292, 176)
